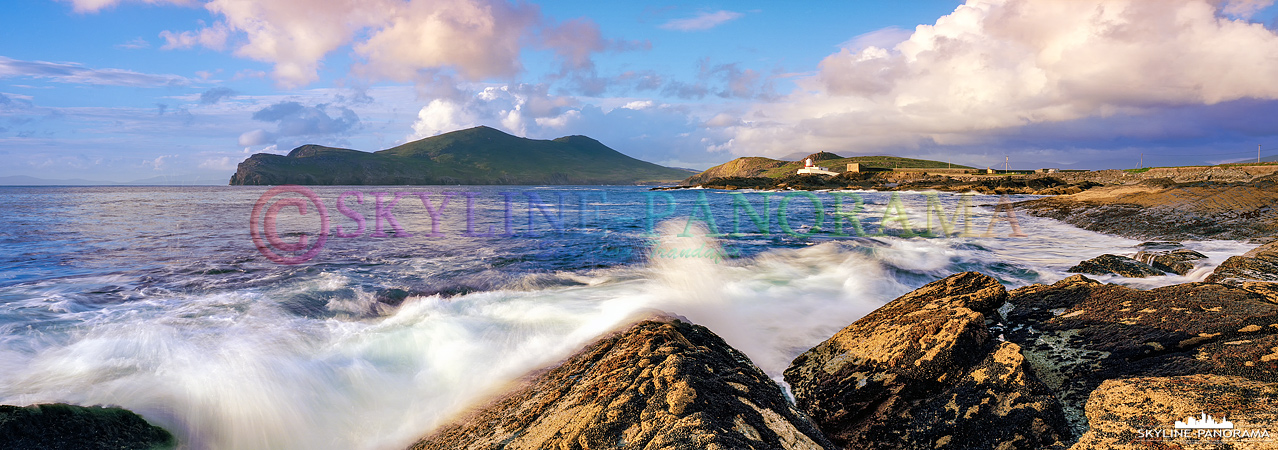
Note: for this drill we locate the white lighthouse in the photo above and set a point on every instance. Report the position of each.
(811, 169)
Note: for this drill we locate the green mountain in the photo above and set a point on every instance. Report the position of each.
(756, 166)
(479, 155)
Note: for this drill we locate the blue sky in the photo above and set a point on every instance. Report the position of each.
(121, 90)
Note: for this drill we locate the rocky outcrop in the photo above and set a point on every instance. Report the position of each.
(1259, 264)
(1179, 261)
(1165, 209)
(661, 384)
(1115, 265)
(1140, 413)
(924, 372)
(69, 427)
(1077, 333)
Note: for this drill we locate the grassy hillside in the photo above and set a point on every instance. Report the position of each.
(480, 155)
(754, 166)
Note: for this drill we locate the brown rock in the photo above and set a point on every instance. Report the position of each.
(923, 372)
(1078, 333)
(1123, 413)
(1115, 265)
(1259, 264)
(661, 384)
(1171, 210)
(1178, 261)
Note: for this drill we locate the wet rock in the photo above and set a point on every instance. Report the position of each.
(60, 426)
(1259, 264)
(1153, 246)
(661, 384)
(1179, 261)
(924, 372)
(1115, 265)
(1077, 333)
(1124, 412)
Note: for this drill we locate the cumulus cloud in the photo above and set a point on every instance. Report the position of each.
(665, 134)
(395, 39)
(1002, 64)
(702, 21)
(77, 74)
(514, 108)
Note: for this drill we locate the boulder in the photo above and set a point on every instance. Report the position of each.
(1159, 245)
(661, 384)
(1259, 264)
(1141, 413)
(1179, 261)
(59, 426)
(1115, 265)
(924, 372)
(1077, 333)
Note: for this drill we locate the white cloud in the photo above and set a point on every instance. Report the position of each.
(75, 73)
(702, 21)
(256, 137)
(441, 116)
(213, 37)
(1245, 8)
(92, 6)
(999, 64)
(639, 104)
(223, 163)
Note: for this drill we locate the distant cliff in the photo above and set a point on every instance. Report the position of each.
(479, 155)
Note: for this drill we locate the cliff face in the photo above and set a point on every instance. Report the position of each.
(479, 155)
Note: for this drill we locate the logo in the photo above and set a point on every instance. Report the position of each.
(1204, 428)
(766, 214)
(1205, 422)
(268, 239)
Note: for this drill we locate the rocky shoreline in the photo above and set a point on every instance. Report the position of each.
(961, 363)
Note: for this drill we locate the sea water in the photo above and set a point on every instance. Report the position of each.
(157, 299)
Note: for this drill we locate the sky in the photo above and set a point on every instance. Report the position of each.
(121, 90)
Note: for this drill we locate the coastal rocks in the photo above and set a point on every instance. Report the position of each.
(661, 384)
(1164, 209)
(60, 426)
(1179, 261)
(1115, 265)
(1140, 413)
(1259, 264)
(1077, 333)
(924, 372)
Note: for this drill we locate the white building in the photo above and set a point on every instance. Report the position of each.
(810, 169)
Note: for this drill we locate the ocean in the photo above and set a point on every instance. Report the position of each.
(159, 299)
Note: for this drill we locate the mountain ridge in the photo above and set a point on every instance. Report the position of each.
(479, 155)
